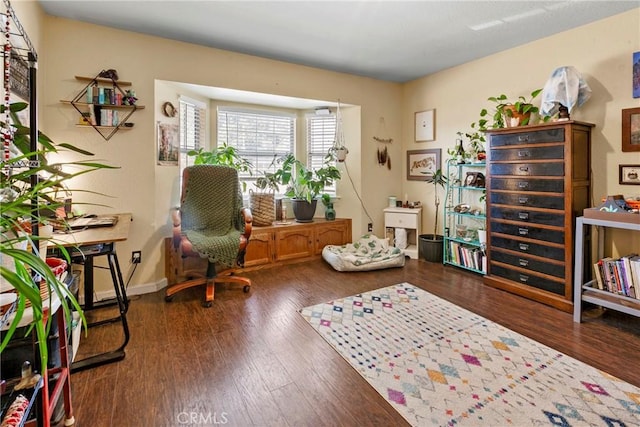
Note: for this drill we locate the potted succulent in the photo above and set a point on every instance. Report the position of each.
(304, 185)
(509, 113)
(431, 244)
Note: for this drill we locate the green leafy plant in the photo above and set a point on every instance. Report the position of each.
(437, 179)
(22, 199)
(505, 110)
(301, 182)
(225, 155)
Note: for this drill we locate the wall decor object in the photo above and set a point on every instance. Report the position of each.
(168, 144)
(635, 66)
(425, 125)
(631, 129)
(629, 174)
(168, 109)
(422, 163)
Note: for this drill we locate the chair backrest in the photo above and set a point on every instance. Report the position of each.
(211, 199)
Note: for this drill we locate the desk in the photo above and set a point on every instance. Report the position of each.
(83, 246)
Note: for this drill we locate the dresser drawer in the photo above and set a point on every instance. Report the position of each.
(547, 135)
(528, 279)
(528, 153)
(528, 231)
(523, 184)
(529, 264)
(528, 248)
(529, 200)
(524, 215)
(527, 169)
(393, 219)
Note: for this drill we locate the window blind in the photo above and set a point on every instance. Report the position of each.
(192, 130)
(321, 133)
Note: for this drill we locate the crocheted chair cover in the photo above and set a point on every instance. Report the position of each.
(211, 212)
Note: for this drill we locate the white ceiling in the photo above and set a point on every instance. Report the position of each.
(393, 40)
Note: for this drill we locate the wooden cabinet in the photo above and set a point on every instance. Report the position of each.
(538, 181)
(276, 244)
(104, 105)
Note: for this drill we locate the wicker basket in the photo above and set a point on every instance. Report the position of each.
(263, 208)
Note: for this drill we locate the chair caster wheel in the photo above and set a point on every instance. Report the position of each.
(207, 304)
(168, 298)
(246, 288)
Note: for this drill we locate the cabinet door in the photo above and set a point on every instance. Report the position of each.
(260, 248)
(295, 242)
(329, 234)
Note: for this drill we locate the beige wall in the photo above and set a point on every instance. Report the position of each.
(601, 51)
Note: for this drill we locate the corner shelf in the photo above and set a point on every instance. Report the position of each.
(465, 253)
(92, 112)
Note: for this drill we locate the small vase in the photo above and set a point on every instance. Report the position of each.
(329, 212)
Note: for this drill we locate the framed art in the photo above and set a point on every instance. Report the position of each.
(422, 163)
(629, 174)
(168, 144)
(631, 129)
(635, 78)
(425, 125)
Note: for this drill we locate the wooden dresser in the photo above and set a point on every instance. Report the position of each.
(279, 244)
(538, 181)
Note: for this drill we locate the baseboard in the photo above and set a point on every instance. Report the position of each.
(142, 289)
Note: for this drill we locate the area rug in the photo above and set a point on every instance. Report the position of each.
(439, 364)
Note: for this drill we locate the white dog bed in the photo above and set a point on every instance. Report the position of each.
(368, 253)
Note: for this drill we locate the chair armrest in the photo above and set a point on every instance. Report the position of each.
(248, 222)
(177, 227)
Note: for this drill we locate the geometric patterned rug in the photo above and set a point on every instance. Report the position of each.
(439, 364)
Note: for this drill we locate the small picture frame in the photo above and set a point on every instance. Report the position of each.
(425, 122)
(629, 174)
(421, 164)
(474, 179)
(631, 129)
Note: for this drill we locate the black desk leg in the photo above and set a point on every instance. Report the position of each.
(123, 306)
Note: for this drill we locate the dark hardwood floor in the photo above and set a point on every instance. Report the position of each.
(252, 360)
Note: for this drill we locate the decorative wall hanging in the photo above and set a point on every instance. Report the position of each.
(383, 153)
(422, 163)
(168, 144)
(631, 129)
(425, 122)
(168, 109)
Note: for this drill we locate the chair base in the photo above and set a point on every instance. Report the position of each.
(227, 276)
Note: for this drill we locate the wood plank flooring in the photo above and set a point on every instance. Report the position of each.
(251, 360)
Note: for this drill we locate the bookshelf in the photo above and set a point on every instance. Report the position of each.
(462, 247)
(104, 105)
(589, 292)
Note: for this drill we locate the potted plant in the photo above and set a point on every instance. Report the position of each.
(21, 202)
(431, 244)
(304, 185)
(223, 155)
(509, 113)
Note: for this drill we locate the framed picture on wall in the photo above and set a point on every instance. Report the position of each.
(425, 125)
(422, 163)
(631, 129)
(629, 174)
(168, 144)
(635, 66)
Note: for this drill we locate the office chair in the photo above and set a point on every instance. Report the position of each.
(210, 224)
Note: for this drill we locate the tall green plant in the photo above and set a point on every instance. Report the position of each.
(437, 179)
(20, 204)
(302, 182)
(225, 155)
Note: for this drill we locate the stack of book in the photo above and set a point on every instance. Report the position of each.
(620, 276)
(467, 256)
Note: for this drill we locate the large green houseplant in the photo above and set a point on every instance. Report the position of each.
(20, 205)
(508, 113)
(304, 185)
(223, 155)
(431, 244)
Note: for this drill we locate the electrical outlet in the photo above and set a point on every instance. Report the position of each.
(370, 227)
(136, 257)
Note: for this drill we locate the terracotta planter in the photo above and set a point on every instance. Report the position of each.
(513, 118)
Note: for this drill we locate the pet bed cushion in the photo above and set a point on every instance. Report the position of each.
(368, 253)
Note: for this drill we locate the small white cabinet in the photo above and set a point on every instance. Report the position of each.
(408, 219)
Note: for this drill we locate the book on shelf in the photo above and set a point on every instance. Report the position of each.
(620, 276)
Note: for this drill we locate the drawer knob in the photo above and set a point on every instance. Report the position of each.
(523, 215)
(523, 262)
(524, 278)
(524, 153)
(523, 247)
(523, 231)
(523, 168)
(523, 138)
(523, 184)
(523, 200)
